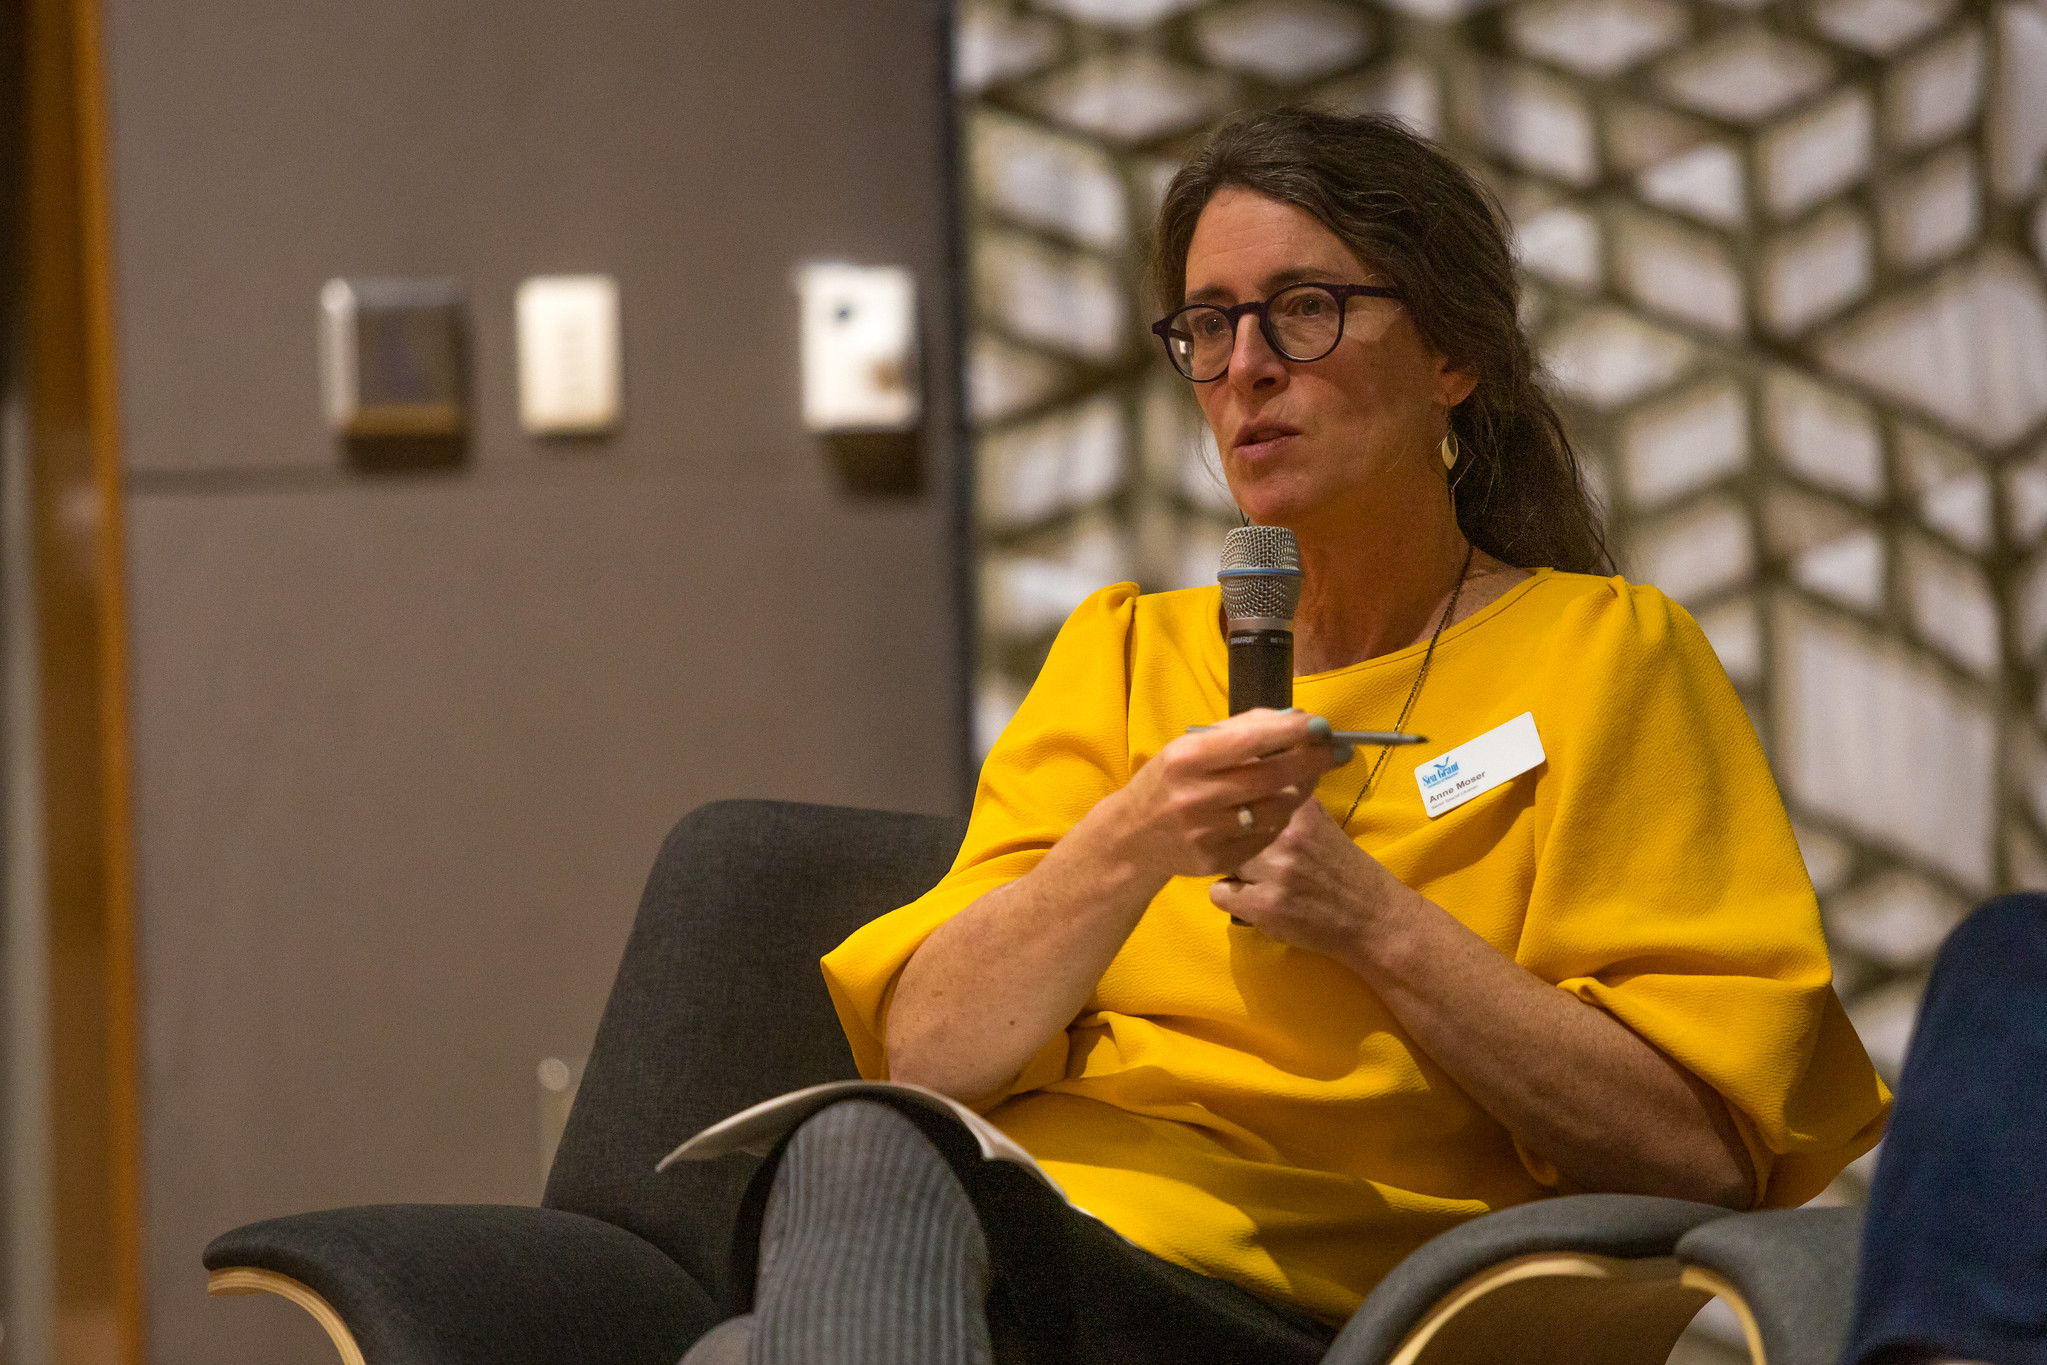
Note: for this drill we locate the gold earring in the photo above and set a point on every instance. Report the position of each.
(1449, 450)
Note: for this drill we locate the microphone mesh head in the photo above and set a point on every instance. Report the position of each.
(1261, 572)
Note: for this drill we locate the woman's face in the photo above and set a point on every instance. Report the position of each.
(1301, 441)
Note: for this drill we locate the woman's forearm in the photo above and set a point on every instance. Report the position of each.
(1569, 1081)
(992, 984)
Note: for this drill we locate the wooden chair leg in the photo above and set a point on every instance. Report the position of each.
(249, 1280)
(1558, 1308)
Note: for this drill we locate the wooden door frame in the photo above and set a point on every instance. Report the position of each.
(75, 510)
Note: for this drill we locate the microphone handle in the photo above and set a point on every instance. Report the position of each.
(1261, 669)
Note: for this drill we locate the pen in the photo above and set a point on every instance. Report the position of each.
(1355, 737)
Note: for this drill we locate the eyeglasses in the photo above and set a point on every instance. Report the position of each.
(1302, 322)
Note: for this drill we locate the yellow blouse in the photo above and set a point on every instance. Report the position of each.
(1252, 1110)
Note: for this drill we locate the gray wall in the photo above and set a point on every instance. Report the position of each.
(407, 743)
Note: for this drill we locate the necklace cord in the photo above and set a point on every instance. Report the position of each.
(1428, 654)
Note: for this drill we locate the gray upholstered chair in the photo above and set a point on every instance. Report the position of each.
(718, 1004)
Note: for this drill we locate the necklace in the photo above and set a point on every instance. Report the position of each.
(1416, 690)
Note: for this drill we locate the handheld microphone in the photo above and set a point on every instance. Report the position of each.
(1261, 583)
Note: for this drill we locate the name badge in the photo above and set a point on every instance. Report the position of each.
(1476, 767)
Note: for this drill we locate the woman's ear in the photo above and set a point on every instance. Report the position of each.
(1454, 383)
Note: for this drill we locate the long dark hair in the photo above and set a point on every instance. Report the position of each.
(1405, 208)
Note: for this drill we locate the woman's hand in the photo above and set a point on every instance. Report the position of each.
(1313, 888)
(1181, 813)
(995, 981)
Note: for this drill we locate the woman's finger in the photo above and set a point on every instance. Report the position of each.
(1261, 818)
(1236, 832)
(1240, 900)
(1247, 822)
(1299, 769)
(1254, 734)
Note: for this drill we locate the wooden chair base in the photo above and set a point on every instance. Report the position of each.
(1719, 1287)
(1559, 1308)
(249, 1280)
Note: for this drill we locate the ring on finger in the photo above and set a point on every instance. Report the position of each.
(1245, 819)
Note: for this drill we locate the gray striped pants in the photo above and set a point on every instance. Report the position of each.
(876, 1250)
(871, 1254)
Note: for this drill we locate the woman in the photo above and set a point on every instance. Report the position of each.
(1601, 972)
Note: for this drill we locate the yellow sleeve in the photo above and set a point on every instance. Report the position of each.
(1670, 893)
(1066, 748)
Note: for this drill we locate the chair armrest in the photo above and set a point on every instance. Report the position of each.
(1789, 1275)
(451, 1284)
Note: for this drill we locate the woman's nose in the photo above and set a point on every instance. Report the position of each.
(1252, 359)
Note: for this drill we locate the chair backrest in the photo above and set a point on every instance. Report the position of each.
(719, 1004)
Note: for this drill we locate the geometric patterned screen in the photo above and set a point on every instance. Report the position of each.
(1783, 262)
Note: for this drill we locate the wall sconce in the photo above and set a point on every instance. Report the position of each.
(392, 357)
(862, 389)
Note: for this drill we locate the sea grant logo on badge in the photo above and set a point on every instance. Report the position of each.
(1473, 768)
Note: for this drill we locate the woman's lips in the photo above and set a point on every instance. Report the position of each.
(1264, 444)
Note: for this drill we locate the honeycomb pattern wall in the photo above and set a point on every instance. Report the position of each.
(1784, 262)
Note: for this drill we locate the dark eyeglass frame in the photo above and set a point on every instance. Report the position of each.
(1261, 308)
